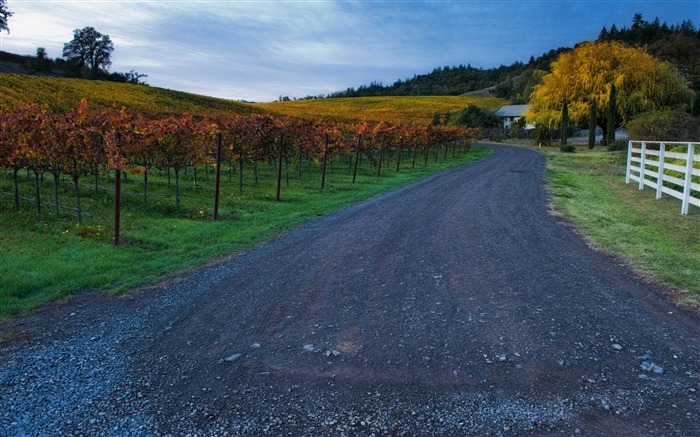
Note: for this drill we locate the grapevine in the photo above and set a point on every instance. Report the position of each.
(79, 143)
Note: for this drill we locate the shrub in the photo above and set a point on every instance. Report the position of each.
(618, 145)
(667, 125)
(542, 135)
(474, 116)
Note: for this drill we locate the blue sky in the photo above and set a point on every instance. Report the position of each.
(260, 50)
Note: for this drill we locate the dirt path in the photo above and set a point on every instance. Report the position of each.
(456, 306)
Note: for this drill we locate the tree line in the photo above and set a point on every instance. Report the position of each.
(509, 82)
(605, 84)
(88, 55)
(678, 44)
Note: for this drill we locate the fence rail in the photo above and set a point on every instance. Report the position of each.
(671, 168)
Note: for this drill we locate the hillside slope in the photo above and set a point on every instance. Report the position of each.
(62, 94)
(412, 109)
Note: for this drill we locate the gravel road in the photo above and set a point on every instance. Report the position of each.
(454, 306)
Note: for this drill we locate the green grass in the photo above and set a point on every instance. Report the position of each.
(48, 258)
(589, 188)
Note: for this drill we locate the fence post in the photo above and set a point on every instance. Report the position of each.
(688, 178)
(660, 177)
(642, 165)
(629, 162)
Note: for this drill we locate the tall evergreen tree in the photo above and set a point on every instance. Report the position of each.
(564, 127)
(592, 124)
(611, 116)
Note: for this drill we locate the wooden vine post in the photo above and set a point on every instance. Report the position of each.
(217, 190)
(37, 193)
(323, 166)
(117, 205)
(415, 152)
(398, 157)
(357, 157)
(279, 167)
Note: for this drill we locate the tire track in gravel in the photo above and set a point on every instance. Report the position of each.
(455, 306)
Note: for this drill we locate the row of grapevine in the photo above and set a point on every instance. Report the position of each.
(81, 143)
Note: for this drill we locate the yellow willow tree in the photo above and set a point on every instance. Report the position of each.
(587, 76)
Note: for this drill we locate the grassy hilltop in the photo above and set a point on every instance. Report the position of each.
(62, 94)
(412, 109)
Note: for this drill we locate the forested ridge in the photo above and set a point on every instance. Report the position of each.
(513, 82)
(678, 44)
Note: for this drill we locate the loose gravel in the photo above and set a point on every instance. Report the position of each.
(455, 306)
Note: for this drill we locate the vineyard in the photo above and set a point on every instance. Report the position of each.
(63, 95)
(411, 109)
(75, 183)
(80, 144)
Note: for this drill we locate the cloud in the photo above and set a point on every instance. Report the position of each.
(259, 50)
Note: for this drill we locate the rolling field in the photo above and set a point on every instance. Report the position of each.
(61, 95)
(410, 109)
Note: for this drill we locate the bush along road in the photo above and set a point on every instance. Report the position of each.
(454, 306)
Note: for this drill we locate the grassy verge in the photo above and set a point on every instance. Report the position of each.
(45, 259)
(589, 188)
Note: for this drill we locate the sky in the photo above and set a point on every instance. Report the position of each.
(261, 50)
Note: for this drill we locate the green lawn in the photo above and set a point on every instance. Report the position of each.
(45, 259)
(589, 188)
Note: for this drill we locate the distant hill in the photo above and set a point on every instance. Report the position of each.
(62, 94)
(33, 65)
(514, 82)
(411, 109)
(677, 44)
(12, 63)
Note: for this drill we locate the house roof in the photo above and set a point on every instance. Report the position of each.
(512, 110)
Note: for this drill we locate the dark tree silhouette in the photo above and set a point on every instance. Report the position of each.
(89, 51)
(4, 15)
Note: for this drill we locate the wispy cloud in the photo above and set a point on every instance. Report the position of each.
(259, 50)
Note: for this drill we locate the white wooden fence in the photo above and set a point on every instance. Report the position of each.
(674, 172)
